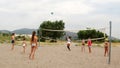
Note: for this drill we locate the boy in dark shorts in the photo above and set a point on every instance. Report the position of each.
(13, 40)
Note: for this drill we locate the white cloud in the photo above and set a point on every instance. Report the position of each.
(64, 7)
(73, 7)
(104, 1)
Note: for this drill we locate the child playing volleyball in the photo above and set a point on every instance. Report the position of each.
(83, 46)
(13, 40)
(89, 45)
(24, 45)
(68, 43)
(106, 46)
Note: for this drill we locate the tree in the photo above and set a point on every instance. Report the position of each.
(55, 25)
(85, 34)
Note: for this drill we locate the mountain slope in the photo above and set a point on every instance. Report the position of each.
(24, 31)
(72, 34)
(5, 31)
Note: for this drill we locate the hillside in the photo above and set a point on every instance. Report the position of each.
(23, 31)
(19, 31)
(72, 34)
(5, 31)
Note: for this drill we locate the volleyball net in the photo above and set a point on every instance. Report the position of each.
(103, 30)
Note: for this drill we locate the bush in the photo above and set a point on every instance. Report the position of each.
(53, 40)
(115, 40)
(19, 38)
(42, 39)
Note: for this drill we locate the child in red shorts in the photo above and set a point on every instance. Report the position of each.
(106, 46)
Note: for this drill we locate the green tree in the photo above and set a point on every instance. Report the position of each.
(55, 25)
(85, 34)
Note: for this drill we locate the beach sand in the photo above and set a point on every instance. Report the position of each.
(58, 57)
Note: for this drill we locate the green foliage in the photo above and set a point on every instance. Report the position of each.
(20, 38)
(42, 39)
(115, 41)
(85, 34)
(4, 37)
(55, 25)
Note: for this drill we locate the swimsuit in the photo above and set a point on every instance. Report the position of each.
(24, 44)
(13, 41)
(83, 44)
(33, 44)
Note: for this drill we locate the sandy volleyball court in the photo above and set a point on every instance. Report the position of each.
(57, 57)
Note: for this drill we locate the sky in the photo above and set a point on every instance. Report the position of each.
(77, 14)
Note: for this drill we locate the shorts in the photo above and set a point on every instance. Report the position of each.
(106, 48)
(89, 46)
(68, 43)
(12, 41)
(83, 44)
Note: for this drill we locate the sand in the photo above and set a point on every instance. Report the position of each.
(57, 57)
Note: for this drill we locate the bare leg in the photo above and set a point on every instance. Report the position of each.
(106, 52)
(83, 48)
(12, 46)
(89, 49)
(31, 53)
(68, 46)
(23, 49)
(34, 49)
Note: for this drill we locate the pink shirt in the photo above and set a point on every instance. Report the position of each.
(89, 43)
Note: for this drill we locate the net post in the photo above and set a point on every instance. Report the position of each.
(109, 58)
(39, 36)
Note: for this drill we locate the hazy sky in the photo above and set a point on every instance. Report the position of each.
(77, 14)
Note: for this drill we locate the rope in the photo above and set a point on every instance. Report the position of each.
(101, 29)
(93, 39)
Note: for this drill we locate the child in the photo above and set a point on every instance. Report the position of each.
(13, 40)
(89, 45)
(83, 45)
(68, 43)
(24, 45)
(106, 45)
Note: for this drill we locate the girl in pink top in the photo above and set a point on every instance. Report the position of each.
(89, 45)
